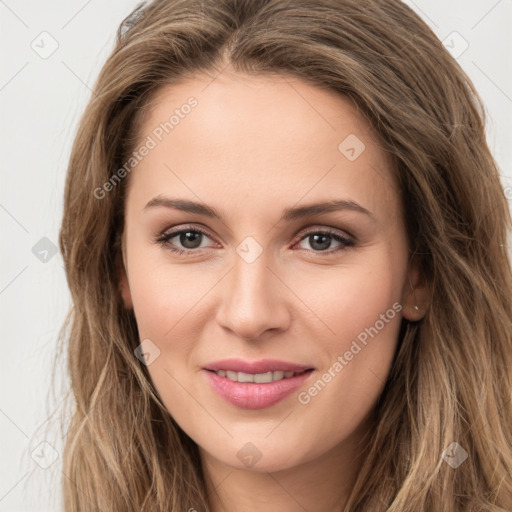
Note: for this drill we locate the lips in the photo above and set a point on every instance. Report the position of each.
(262, 366)
(255, 384)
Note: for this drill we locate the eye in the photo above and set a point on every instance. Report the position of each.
(321, 241)
(190, 239)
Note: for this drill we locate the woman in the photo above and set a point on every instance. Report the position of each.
(286, 243)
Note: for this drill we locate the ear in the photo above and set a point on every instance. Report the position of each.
(415, 293)
(124, 286)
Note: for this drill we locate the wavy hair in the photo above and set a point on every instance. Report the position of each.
(451, 378)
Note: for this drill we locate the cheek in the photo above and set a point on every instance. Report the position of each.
(351, 299)
(164, 294)
(162, 300)
(167, 305)
(359, 310)
(356, 298)
(361, 306)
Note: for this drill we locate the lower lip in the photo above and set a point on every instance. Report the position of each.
(250, 395)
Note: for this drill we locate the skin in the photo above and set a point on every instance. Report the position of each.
(252, 147)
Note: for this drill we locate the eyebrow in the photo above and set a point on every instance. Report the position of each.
(288, 214)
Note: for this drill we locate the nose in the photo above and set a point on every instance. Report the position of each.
(253, 300)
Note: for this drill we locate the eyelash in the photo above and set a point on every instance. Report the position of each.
(163, 240)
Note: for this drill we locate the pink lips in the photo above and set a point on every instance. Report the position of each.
(262, 366)
(251, 395)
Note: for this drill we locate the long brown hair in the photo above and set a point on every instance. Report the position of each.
(451, 380)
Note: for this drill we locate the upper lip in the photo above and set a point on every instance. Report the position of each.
(261, 366)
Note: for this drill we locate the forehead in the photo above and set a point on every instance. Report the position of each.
(266, 135)
(274, 111)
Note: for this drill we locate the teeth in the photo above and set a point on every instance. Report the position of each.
(259, 378)
(245, 377)
(263, 377)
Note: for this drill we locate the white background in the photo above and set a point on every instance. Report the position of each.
(41, 101)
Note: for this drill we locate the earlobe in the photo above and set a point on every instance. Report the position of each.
(124, 286)
(415, 295)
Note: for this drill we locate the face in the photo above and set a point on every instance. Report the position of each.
(254, 274)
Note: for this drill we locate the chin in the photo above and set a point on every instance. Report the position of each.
(259, 457)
